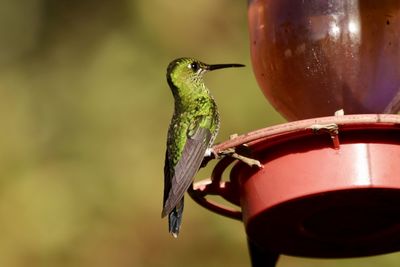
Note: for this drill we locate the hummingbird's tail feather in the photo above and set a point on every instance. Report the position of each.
(175, 219)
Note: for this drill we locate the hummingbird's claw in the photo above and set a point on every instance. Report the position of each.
(231, 152)
(249, 161)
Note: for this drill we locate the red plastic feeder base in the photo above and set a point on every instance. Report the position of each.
(329, 187)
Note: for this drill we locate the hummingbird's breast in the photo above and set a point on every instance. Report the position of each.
(200, 112)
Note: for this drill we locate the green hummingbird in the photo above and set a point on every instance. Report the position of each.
(191, 133)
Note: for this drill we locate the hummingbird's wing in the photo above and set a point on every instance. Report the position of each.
(178, 178)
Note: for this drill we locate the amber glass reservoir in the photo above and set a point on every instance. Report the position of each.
(313, 57)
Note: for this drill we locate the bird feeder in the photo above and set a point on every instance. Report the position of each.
(329, 186)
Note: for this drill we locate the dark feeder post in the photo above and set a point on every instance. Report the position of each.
(330, 185)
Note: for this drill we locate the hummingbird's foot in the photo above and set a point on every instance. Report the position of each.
(209, 155)
(231, 152)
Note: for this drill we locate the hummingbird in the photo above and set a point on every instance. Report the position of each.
(192, 131)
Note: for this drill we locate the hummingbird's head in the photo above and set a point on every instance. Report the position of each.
(188, 72)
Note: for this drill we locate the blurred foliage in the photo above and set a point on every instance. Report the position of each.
(84, 108)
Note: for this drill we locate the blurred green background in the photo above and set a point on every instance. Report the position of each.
(84, 110)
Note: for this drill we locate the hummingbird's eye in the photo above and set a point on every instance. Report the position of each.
(194, 66)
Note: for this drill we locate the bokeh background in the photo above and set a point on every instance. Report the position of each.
(84, 110)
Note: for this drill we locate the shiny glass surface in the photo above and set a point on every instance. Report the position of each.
(313, 57)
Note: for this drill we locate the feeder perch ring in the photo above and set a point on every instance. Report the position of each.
(316, 170)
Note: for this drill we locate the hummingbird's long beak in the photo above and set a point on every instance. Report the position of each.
(223, 66)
